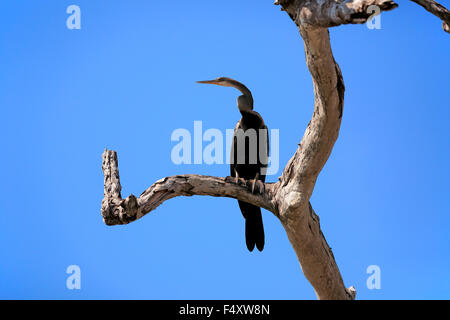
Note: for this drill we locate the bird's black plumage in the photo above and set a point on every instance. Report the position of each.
(249, 158)
(250, 123)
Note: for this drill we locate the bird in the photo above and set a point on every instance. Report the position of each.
(248, 158)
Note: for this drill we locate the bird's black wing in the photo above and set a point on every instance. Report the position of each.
(254, 229)
(233, 155)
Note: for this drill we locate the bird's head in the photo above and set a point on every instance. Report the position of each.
(245, 102)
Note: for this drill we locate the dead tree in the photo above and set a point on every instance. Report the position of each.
(288, 198)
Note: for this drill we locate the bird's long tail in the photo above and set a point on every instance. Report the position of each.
(254, 229)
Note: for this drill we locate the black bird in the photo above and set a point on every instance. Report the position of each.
(249, 158)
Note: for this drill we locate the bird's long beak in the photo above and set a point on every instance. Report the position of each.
(209, 82)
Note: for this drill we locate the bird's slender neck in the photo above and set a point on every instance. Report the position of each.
(245, 104)
(247, 99)
(247, 94)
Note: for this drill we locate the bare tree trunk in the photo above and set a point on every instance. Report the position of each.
(287, 199)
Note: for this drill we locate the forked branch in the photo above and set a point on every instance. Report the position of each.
(289, 198)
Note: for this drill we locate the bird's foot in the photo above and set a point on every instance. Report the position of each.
(236, 180)
(259, 186)
(239, 181)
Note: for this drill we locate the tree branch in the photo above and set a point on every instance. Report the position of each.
(438, 10)
(327, 13)
(116, 210)
(313, 252)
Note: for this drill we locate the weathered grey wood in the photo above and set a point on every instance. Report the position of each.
(300, 174)
(116, 210)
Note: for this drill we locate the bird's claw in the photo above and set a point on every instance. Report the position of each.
(256, 185)
(259, 186)
(236, 180)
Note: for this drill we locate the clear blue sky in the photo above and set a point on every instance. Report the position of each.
(126, 80)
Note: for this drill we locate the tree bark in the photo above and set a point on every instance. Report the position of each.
(330, 13)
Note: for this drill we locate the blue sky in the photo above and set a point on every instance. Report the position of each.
(126, 81)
